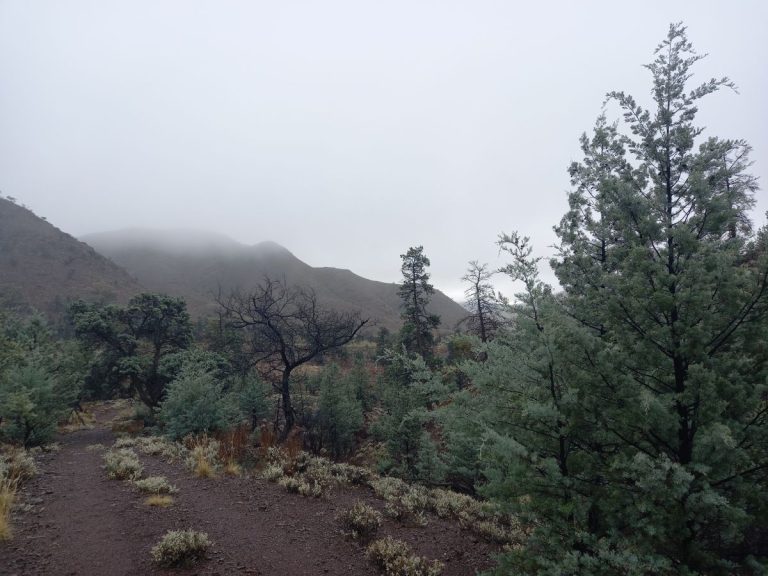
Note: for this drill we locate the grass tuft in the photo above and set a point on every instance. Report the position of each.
(155, 485)
(7, 497)
(159, 500)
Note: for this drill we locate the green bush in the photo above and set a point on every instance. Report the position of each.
(340, 413)
(30, 405)
(195, 404)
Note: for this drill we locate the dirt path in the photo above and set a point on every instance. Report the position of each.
(81, 523)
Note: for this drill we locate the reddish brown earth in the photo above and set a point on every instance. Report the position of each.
(77, 522)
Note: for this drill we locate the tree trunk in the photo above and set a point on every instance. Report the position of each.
(288, 414)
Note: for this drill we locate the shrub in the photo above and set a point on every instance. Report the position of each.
(195, 404)
(155, 485)
(30, 405)
(122, 464)
(360, 521)
(180, 548)
(395, 558)
(340, 413)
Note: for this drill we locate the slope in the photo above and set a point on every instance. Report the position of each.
(43, 268)
(196, 265)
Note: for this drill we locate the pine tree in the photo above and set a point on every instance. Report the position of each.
(630, 415)
(415, 291)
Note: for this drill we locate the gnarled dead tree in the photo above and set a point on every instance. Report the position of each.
(286, 327)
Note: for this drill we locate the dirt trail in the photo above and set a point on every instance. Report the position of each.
(81, 523)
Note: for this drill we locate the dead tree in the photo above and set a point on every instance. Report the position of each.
(482, 301)
(284, 328)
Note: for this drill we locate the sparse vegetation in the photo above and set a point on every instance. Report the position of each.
(155, 485)
(180, 548)
(122, 464)
(7, 497)
(361, 521)
(159, 500)
(395, 558)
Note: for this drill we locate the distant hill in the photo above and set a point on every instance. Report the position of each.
(43, 268)
(196, 265)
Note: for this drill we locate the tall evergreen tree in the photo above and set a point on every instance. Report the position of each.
(482, 301)
(630, 421)
(415, 291)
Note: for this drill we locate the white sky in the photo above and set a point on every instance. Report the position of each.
(346, 131)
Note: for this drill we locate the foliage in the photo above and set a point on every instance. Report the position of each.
(486, 306)
(155, 485)
(285, 327)
(414, 291)
(625, 419)
(133, 341)
(31, 404)
(410, 393)
(361, 521)
(395, 558)
(196, 403)
(340, 413)
(252, 397)
(180, 548)
(122, 464)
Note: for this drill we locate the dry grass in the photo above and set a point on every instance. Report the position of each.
(7, 497)
(232, 468)
(203, 458)
(159, 500)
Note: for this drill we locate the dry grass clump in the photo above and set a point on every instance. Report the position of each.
(395, 558)
(203, 455)
(155, 485)
(7, 497)
(180, 548)
(122, 464)
(17, 465)
(232, 468)
(361, 521)
(159, 500)
(95, 447)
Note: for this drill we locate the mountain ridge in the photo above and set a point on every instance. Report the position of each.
(196, 274)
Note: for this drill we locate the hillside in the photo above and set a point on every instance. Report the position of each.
(44, 268)
(195, 265)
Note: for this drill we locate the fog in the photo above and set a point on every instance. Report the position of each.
(345, 131)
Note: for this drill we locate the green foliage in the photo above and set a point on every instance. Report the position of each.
(340, 412)
(411, 391)
(625, 419)
(415, 290)
(132, 342)
(252, 398)
(31, 404)
(196, 403)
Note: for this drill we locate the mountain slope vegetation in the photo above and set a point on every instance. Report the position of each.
(195, 265)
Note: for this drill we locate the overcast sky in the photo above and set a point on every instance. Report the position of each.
(345, 131)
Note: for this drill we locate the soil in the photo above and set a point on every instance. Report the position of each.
(73, 520)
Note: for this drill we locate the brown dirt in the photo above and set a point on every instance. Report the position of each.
(78, 522)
